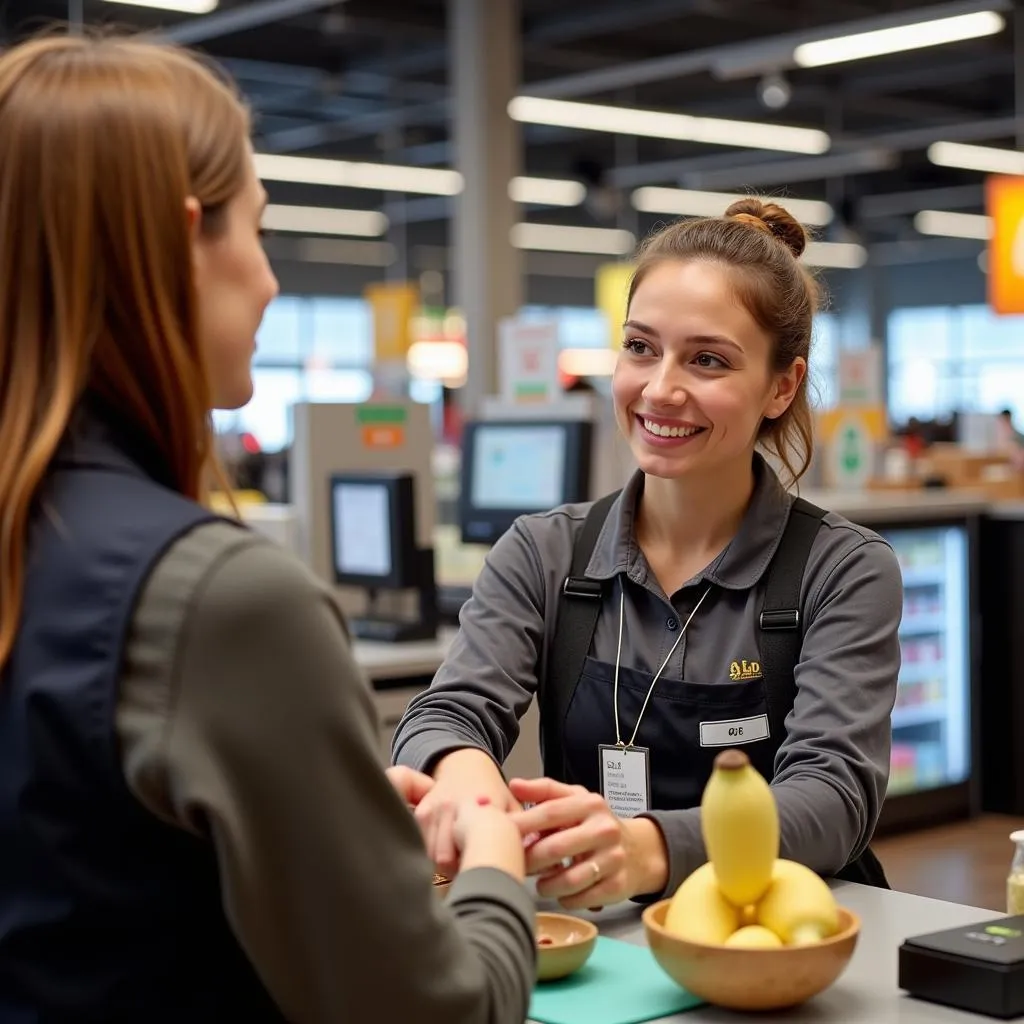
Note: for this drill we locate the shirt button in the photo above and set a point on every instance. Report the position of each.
(672, 624)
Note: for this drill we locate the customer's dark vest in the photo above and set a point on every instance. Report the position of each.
(106, 913)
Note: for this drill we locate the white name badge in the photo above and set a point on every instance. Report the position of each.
(626, 779)
(734, 733)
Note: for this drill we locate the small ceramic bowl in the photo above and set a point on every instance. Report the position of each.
(751, 979)
(564, 945)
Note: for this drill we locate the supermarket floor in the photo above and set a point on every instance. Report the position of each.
(966, 862)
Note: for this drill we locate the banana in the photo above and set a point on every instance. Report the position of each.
(754, 936)
(699, 912)
(798, 906)
(740, 824)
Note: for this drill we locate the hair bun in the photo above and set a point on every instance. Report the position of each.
(773, 219)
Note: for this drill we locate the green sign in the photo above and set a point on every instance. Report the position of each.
(377, 415)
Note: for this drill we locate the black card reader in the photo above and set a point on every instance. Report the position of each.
(978, 967)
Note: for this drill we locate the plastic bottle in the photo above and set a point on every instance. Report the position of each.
(1015, 881)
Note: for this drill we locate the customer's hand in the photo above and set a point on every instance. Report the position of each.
(586, 857)
(412, 786)
(464, 776)
(488, 837)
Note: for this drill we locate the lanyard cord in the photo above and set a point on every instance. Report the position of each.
(657, 675)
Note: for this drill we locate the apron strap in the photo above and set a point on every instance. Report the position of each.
(779, 621)
(781, 640)
(579, 605)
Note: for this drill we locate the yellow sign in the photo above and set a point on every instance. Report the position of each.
(870, 417)
(394, 308)
(1004, 199)
(611, 287)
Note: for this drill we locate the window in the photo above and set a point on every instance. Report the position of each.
(316, 349)
(945, 359)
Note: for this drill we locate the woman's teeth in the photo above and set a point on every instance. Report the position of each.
(663, 431)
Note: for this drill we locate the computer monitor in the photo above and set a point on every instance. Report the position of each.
(512, 467)
(373, 530)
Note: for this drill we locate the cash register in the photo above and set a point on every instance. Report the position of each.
(373, 547)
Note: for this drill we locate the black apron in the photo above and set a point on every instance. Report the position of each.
(576, 691)
(670, 728)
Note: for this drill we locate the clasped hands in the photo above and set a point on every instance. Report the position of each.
(581, 854)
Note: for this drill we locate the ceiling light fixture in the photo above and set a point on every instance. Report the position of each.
(563, 238)
(840, 255)
(181, 6)
(698, 203)
(547, 191)
(320, 220)
(953, 225)
(861, 45)
(988, 159)
(661, 125)
(306, 170)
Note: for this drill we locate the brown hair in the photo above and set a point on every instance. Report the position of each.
(760, 244)
(104, 140)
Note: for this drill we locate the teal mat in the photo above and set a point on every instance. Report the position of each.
(620, 984)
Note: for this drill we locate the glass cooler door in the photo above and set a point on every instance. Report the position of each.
(931, 728)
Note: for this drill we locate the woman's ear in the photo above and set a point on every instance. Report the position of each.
(785, 387)
(193, 216)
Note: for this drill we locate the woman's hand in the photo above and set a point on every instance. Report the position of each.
(612, 859)
(460, 777)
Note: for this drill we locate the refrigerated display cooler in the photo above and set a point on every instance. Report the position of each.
(931, 722)
(933, 774)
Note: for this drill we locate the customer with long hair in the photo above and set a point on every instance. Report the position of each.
(195, 819)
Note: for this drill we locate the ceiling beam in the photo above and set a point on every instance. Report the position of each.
(314, 135)
(251, 14)
(899, 204)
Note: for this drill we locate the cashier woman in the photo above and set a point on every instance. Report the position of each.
(676, 659)
(196, 824)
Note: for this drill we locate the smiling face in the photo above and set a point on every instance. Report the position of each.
(694, 380)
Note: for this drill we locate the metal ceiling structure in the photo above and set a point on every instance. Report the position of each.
(366, 80)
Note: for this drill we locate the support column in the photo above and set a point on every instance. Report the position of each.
(484, 73)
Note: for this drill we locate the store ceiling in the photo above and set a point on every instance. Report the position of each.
(366, 80)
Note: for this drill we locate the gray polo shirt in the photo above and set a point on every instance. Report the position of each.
(832, 768)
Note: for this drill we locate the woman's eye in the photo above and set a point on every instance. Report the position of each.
(710, 362)
(637, 346)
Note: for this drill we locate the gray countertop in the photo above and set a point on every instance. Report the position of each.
(867, 992)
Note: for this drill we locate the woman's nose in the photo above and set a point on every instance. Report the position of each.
(666, 387)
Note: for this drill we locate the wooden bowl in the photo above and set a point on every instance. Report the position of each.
(564, 945)
(751, 979)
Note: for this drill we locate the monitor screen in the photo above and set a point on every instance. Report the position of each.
(516, 467)
(519, 466)
(362, 532)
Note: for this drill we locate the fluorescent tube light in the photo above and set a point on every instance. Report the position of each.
(547, 191)
(841, 255)
(320, 220)
(347, 174)
(694, 203)
(988, 159)
(659, 125)
(184, 6)
(953, 225)
(895, 40)
(562, 238)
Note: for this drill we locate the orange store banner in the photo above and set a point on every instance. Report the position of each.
(1004, 200)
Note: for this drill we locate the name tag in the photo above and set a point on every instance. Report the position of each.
(734, 733)
(625, 779)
